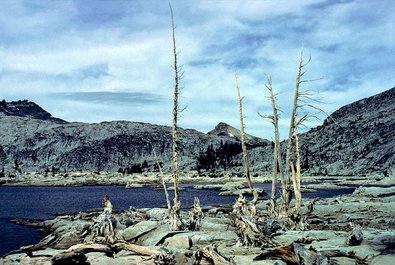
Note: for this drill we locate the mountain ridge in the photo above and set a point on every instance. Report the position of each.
(356, 138)
(28, 109)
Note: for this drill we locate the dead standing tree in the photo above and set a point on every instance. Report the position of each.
(298, 118)
(175, 220)
(277, 160)
(244, 149)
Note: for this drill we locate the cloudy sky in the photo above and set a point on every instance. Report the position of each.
(100, 60)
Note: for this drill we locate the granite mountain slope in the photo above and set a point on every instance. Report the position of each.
(357, 138)
(39, 142)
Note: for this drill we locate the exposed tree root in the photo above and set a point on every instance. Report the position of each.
(210, 255)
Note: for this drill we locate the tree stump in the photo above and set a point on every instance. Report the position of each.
(356, 236)
(195, 216)
(102, 229)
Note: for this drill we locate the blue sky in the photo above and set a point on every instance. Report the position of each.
(99, 60)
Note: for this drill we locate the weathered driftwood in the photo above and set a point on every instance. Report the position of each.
(195, 216)
(76, 254)
(141, 250)
(86, 248)
(160, 256)
(210, 255)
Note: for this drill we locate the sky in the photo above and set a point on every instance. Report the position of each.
(93, 61)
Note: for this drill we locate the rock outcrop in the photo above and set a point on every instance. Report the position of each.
(359, 138)
(24, 108)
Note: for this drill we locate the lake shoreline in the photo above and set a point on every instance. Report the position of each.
(327, 229)
(153, 179)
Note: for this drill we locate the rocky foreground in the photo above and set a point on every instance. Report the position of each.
(353, 229)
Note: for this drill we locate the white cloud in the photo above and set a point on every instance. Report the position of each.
(125, 46)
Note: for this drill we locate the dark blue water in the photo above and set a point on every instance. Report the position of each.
(46, 202)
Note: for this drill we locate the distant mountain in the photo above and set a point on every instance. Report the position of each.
(31, 137)
(225, 130)
(358, 138)
(24, 108)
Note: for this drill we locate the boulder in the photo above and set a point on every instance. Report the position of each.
(207, 238)
(158, 236)
(67, 240)
(178, 241)
(157, 213)
(133, 232)
(383, 259)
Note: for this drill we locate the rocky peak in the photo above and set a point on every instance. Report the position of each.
(25, 108)
(225, 130)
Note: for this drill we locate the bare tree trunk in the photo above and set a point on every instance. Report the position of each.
(277, 161)
(163, 179)
(177, 204)
(243, 144)
(298, 194)
(292, 128)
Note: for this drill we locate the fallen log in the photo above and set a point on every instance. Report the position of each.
(86, 248)
(141, 250)
(210, 255)
(160, 256)
(76, 254)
